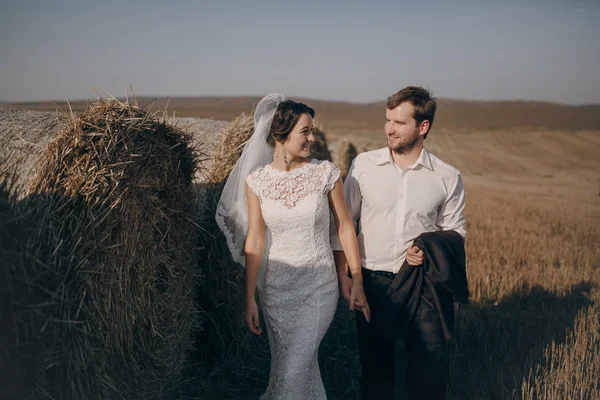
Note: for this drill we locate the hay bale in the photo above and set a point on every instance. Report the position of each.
(18, 347)
(109, 239)
(221, 288)
(229, 148)
(24, 136)
(319, 149)
(345, 154)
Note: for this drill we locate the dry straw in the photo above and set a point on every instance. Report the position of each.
(319, 149)
(17, 342)
(24, 136)
(100, 297)
(221, 288)
(346, 152)
(228, 149)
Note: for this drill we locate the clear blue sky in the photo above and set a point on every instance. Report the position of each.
(357, 51)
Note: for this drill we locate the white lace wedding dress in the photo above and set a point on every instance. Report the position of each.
(300, 290)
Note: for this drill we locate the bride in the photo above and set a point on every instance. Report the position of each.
(275, 212)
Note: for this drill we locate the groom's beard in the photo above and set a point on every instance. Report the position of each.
(406, 146)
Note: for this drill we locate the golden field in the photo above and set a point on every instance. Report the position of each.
(351, 118)
(532, 330)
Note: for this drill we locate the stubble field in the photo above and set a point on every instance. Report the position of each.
(532, 330)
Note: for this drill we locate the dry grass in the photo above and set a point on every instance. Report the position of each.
(345, 153)
(532, 330)
(229, 147)
(24, 136)
(319, 148)
(221, 289)
(533, 249)
(533, 271)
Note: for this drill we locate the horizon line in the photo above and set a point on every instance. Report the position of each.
(254, 96)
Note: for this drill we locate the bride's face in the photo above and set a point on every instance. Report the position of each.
(301, 137)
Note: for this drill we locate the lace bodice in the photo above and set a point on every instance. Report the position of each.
(290, 187)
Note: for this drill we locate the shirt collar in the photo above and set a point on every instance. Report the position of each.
(424, 159)
(385, 157)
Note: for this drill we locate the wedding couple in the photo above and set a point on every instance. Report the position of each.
(401, 274)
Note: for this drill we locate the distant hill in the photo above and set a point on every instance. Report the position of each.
(340, 117)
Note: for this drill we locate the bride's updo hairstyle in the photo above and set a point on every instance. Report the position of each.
(286, 117)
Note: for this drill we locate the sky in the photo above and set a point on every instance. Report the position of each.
(357, 51)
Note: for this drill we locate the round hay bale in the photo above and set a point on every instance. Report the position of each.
(24, 136)
(110, 243)
(18, 346)
(319, 149)
(220, 294)
(229, 147)
(346, 152)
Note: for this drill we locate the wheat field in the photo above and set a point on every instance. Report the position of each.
(532, 330)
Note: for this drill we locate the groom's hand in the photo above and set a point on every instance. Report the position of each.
(414, 256)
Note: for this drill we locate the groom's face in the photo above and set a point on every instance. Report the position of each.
(401, 128)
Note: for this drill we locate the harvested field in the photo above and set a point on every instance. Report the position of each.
(342, 118)
(533, 252)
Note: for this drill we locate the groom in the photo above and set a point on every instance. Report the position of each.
(394, 195)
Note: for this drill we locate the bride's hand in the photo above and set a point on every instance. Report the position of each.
(252, 317)
(358, 299)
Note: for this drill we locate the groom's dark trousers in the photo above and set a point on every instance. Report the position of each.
(416, 305)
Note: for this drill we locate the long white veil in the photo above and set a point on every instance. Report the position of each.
(232, 209)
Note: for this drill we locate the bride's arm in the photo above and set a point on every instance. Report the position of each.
(253, 248)
(347, 237)
(345, 228)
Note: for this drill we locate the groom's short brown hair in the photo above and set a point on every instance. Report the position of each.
(422, 101)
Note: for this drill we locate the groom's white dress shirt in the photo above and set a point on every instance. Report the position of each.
(391, 206)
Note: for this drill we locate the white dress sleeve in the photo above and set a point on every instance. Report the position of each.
(333, 174)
